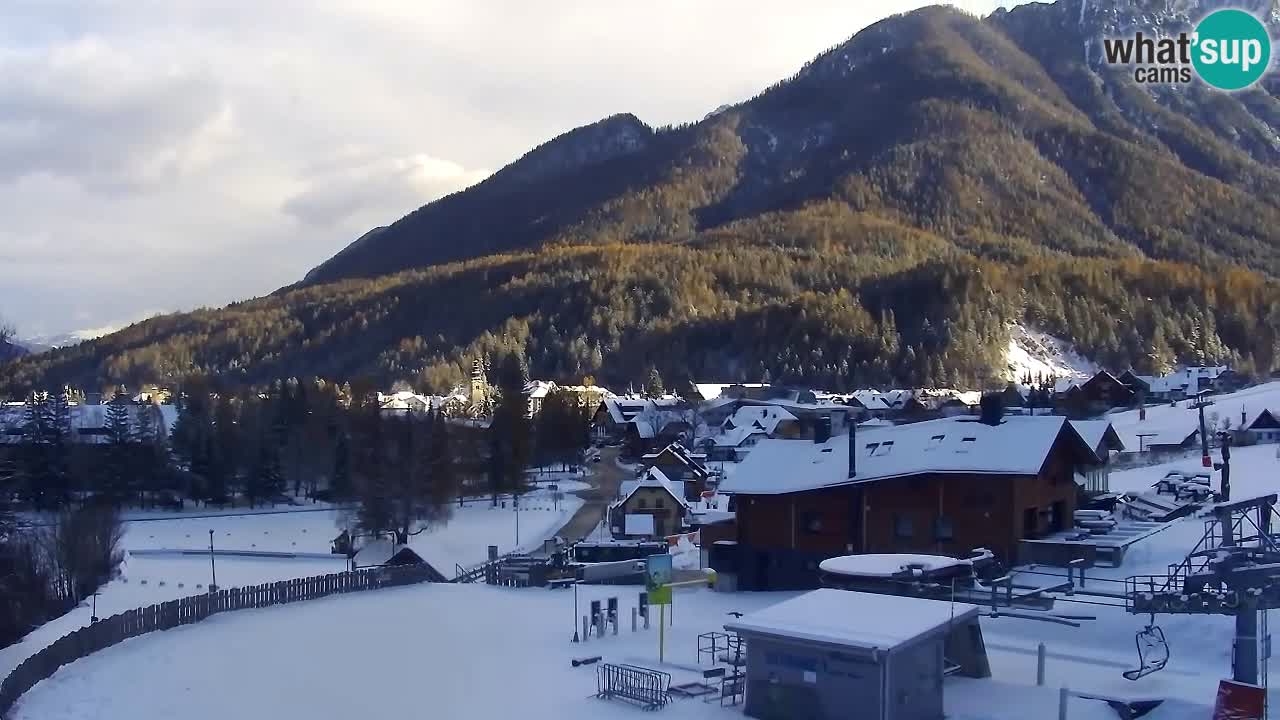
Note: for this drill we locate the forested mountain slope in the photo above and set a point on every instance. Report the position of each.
(884, 214)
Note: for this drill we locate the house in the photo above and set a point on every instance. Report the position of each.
(1094, 396)
(680, 465)
(941, 487)
(536, 391)
(707, 392)
(1173, 442)
(89, 424)
(660, 423)
(381, 551)
(407, 403)
(870, 403)
(733, 445)
(1139, 384)
(772, 419)
(652, 506)
(1103, 439)
(613, 416)
(1265, 428)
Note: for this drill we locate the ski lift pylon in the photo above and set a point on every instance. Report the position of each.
(1153, 651)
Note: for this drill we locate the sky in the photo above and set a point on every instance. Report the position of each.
(162, 155)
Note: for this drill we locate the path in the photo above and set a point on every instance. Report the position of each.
(606, 478)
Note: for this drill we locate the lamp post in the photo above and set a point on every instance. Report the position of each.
(213, 570)
(93, 617)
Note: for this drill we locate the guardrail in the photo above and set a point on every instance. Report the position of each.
(185, 611)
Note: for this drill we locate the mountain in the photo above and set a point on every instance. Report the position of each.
(885, 215)
(10, 351)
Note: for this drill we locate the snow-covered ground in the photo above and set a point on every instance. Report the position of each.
(149, 579)
(393, 652)
(1168, 420)
(1037, 353)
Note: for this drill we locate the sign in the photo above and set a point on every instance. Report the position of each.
(657, 576)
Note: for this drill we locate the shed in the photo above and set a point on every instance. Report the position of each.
(820, 654)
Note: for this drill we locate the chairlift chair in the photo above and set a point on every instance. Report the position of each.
(1153, 651)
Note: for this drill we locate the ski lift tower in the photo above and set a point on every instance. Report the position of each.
(1234, 570)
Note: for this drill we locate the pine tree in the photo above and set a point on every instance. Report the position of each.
(509, 430)
(653, 384)
(117, 470)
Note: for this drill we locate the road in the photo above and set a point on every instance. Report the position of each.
(606, 477)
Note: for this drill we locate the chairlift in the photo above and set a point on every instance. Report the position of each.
(1153, 651)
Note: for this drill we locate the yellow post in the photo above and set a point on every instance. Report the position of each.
(662, 635)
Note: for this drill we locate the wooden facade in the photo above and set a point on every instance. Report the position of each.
(782, 538)
(667, 510)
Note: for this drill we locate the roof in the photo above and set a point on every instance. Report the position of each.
(1265, 419)
(711, 391)
(783, 466)
(1097, 432)
(737, 436)
(538, 389)
(765, 417)
(621, 410)
(1019, 445)
(871, 399)
(888, 565)
(653, 478)
(854, 619)
(88, 423)
(380, 552)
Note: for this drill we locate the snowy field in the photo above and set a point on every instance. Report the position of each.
(466, 651)
(1171, 419)
(397, 652)
(149, 579)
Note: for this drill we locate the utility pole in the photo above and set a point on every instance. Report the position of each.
(1200, 404)
(213, 570)
(1225, 467)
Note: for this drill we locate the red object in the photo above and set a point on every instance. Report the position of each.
(1206, 461)
(1239, 701)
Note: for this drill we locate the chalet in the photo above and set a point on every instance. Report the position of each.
(407, 403)
(1139, 384)
(613, 416)
(1094, 396)
(660, 423)
(1173, 442)
(537, 391)
(733, 445)
(682, 466)
(869, 403)
(1265, 428)
(652, 506)
(1102, 438)
(941, 487)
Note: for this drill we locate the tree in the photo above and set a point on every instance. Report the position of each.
(117, 480)
(653, 384)
(509, 430)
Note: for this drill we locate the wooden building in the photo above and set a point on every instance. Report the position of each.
(942, 487)
(651, 507)
(1094, 396)
(680, 465)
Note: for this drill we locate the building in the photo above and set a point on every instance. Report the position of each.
(537, 391)
(652, 506)
(707, 392)
(826, 652)
(1094, 396)
(89, 423)
(1103, 439)
(1264, 428)
(681, 466)
(408, 403)
(942, 487)
(612, 417)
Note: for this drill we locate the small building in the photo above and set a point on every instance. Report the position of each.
(1173, 442)
(1265, 428)
(826, 652)
(680, 465)
(1094, 396)
(651, 507)
(613, 416)
(1103, 439)
(382, 551)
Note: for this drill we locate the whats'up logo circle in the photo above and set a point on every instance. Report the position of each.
(1231, 49)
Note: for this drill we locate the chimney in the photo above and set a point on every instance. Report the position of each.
(853, 449)
(991, 409)
(822, 430)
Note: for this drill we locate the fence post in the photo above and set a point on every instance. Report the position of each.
(1063, 695)
(1040, 653)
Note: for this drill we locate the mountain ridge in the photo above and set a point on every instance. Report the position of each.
(886, 213)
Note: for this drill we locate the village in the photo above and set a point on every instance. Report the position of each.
(1072, 544)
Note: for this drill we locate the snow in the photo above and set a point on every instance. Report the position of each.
(855, 619)
(781, 466)
(1037, 353)
(1171, 420)
(887, 565)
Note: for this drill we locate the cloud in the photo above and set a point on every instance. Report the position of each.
(391, 187)
(179, 153)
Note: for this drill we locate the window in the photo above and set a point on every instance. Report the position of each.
(935, 441)
(659, 503)
(942, 529)
(644, 504)
(903, 528)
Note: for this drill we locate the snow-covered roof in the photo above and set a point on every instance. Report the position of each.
(621, 410)
(783, 466)
(1094, 432)
(1019, 445)
(538, 389)
(765, 417)
(378, 551)
(654, 478)
(735, 437)
(711, 391)
(1062, 385)
(854, 619)
(888, 565)
(871, 399)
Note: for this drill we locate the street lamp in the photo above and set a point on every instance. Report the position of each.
(213, 570)
(93, 617)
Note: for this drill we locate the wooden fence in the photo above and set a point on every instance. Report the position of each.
(105, 633)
